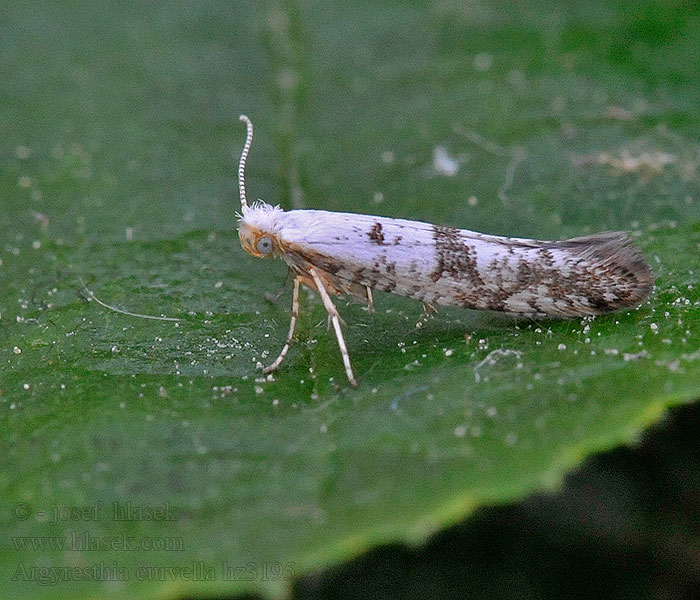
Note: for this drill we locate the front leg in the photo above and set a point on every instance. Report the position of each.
(292, 325)
(275, 297)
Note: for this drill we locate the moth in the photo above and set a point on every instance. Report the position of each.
(344, 254)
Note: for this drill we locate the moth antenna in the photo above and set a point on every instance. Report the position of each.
(241, 163)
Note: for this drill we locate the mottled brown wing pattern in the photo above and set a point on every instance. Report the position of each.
(452, 267)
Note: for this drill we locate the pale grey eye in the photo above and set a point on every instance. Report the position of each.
(264, 245)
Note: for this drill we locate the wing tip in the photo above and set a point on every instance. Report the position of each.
(622, 261)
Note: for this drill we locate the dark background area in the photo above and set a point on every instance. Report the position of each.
(624, 525)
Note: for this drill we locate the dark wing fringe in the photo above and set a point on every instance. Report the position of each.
(615, 251)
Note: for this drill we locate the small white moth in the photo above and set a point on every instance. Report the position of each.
(350, 254)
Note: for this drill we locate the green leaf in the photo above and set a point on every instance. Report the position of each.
(149, 458)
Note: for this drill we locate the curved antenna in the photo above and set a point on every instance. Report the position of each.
(241, 163)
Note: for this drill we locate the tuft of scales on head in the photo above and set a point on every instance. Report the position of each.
(258, 229)
(262, 216)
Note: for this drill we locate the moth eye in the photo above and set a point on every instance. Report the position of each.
(264, 245)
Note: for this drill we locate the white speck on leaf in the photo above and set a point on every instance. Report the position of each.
(483, 61)
(443, 163)
(627, 356)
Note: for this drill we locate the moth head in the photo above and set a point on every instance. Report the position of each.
(258, 230)
(259, 224)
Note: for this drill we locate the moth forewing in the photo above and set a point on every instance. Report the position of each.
(352, 254)
(452, 267)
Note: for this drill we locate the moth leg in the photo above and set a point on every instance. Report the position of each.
(370, 299)
(274, 297)
(292, 325)
(429, 309)
(335, 319)
(328, 321)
